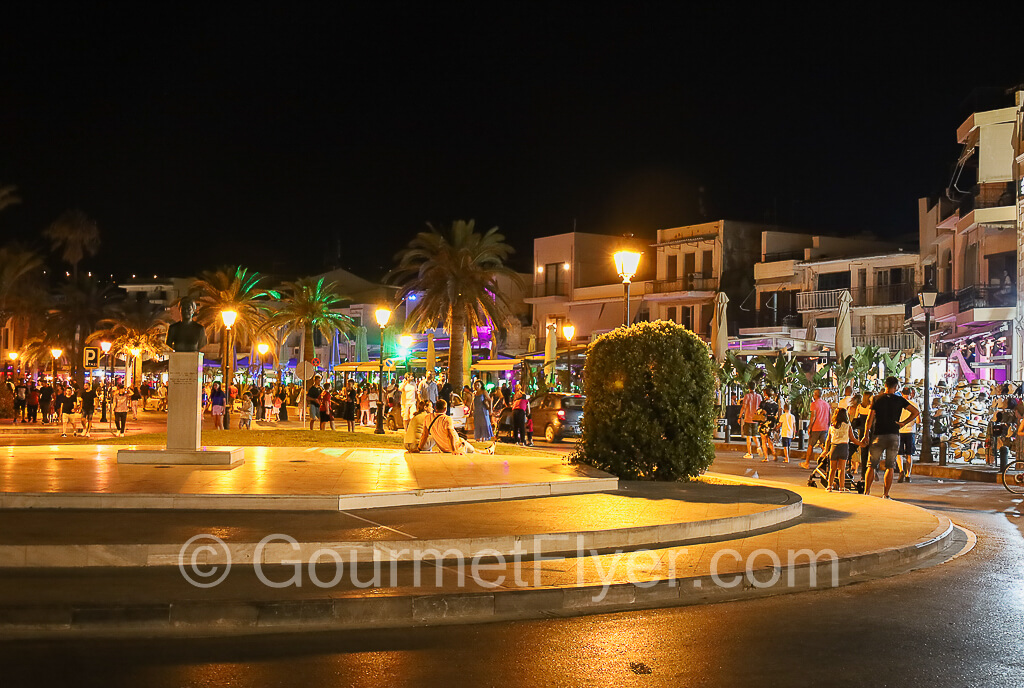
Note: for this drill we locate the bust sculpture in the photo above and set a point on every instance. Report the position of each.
(186, 335)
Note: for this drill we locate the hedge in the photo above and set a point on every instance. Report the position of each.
(649, 411)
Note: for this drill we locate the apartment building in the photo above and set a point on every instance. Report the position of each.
(970, 240)
(574, 281)
(697, 261)
(800, 278)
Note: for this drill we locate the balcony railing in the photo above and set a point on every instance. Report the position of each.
(985, 296)
(541, 289)
(893, 341)
(884, 295)
(690, 283)
(827, 300)
(783, 255)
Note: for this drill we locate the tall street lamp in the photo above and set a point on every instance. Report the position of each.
(53, 369)
(569, 332)
(383, 315)
(105, 348)
(927, 298)
(228, 316)
(626, 263)
(13, 355)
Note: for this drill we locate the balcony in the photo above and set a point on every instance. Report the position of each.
(694, 282)
(893, 341)
(884, 295)
(541, 290)
(827, 300)
(783, 255)
(985, 296)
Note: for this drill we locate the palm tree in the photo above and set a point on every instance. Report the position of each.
(307, 305)
(8, 195)
(457, 272)
(16, 264)
(80, 308)
(76, 235)
(236, 290)
(139, 325)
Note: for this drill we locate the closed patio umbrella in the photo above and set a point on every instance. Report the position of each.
(844, 330)
(720, 328)
(550, 354)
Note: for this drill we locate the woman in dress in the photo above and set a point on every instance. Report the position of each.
(481, 413)
(364, 405)
(217, 400)
(349, 403)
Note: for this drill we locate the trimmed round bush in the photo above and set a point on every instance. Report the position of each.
(649, 411)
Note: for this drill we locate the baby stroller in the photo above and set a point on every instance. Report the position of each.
(820, 475)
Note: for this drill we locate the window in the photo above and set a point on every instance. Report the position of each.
(684, 319)
(672, 268)
(672, 314)
(554, 279)
(834, 280)
(863, 325)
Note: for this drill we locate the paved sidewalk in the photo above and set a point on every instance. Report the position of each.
(869, 537)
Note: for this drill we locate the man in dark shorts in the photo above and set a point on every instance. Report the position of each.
(313, 400)
(886, 411)
(88, 408)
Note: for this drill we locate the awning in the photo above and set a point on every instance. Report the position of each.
(358, 367)
(973, 333)
(495, 365)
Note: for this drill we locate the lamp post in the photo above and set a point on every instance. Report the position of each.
(105, 348)
(626, 263)
(53, 369)
(262, 348)
(927, 298)
(569, 332)
(382, 315)
(228, 316)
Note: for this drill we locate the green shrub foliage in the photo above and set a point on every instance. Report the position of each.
(649, 412)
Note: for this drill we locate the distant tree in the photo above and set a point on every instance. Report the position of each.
(138, 325)
(307, 305)
(456, 270)
(239, 290)
(16, 264)
(75, 235)
(79, 309)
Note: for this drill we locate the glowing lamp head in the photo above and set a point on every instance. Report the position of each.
(626, 263)
(569, 331)
(135, 352)
(105, 346)
(406, 341)
(13, 355)
(383, 315)
(229, 318)
(263, 348)
(56, 353)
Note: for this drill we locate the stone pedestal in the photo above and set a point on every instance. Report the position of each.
(184, 420)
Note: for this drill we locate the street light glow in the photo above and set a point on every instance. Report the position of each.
(626, 263)
(263, 348)
(13, 355)
(229, 318)
(105, 347)
(406, 341)
(569, 331)
(383, 315)
(135, 353)
(56, 353)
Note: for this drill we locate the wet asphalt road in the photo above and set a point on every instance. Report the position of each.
(956, 624)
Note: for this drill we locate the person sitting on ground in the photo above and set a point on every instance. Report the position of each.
(439, 427)
(245, 419)
(414, 428)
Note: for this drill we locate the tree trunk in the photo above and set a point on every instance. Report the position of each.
(456, 339)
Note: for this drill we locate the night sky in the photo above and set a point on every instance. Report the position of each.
(272, 137)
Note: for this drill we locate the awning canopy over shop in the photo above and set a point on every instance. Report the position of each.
(976, 333)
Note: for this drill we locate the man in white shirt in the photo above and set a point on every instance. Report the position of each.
(408, 389)
(907, 437)
(844, 403)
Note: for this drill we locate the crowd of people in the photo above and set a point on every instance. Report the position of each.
(73, 407)
(869, 431)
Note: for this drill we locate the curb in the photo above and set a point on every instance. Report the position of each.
(194, 618)
(956, 473)
(280, 551)
(285, 502)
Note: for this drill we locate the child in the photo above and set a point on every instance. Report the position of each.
(787, 423)
(245, 420)
(529, 431)
(838, 449)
